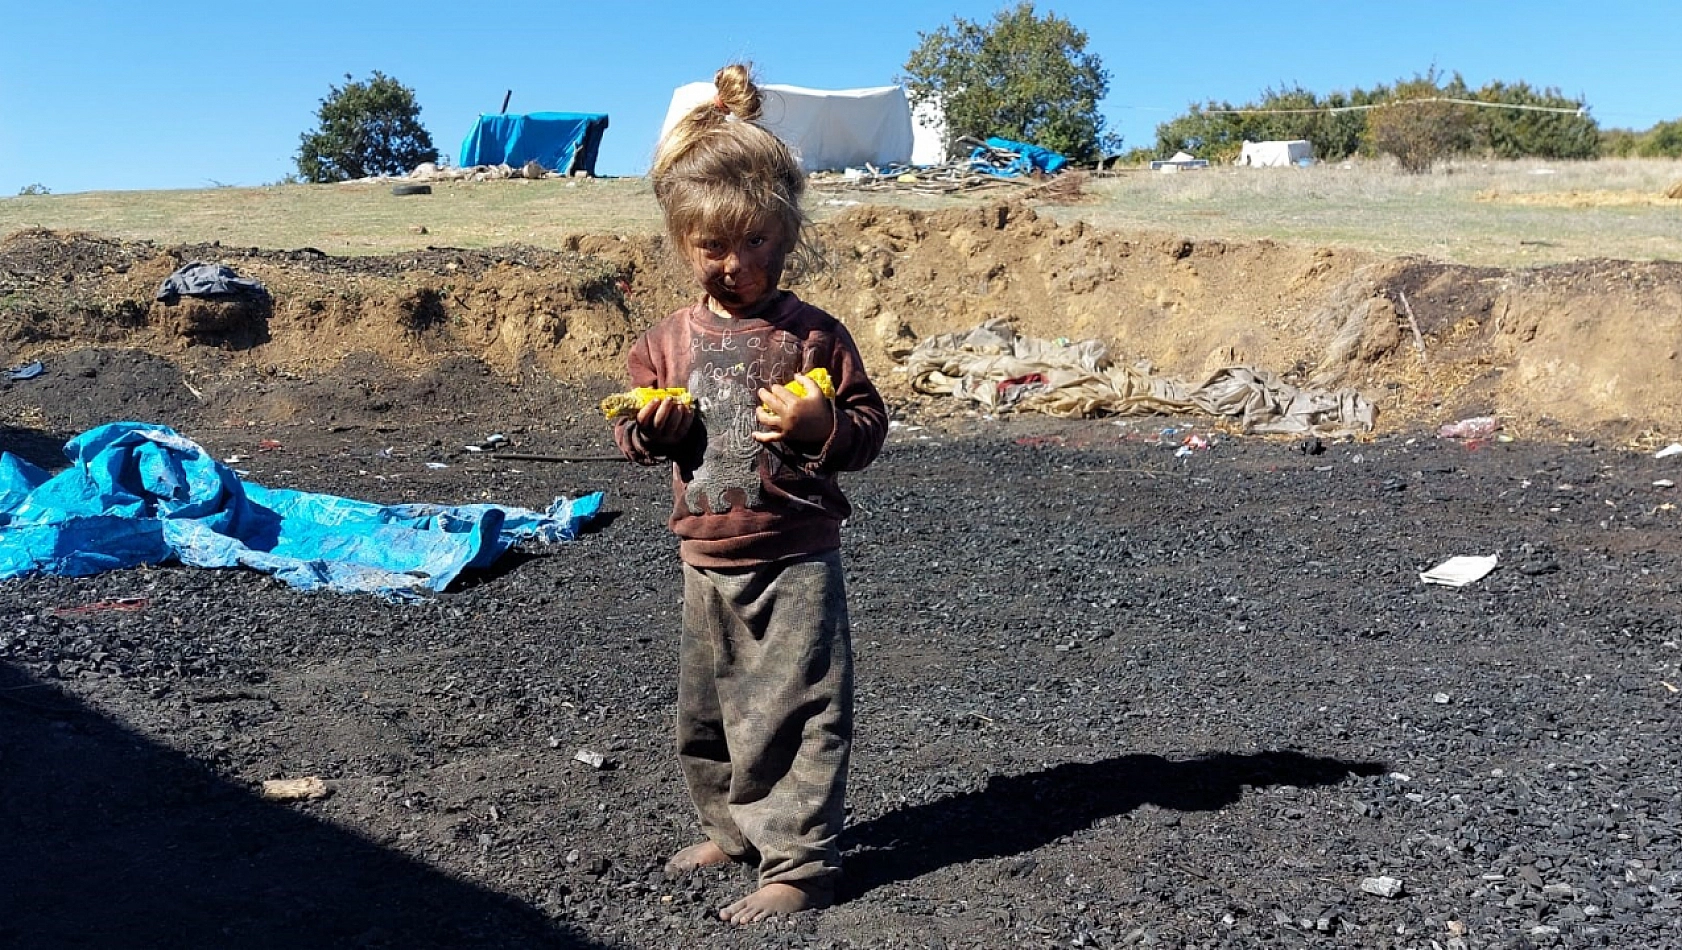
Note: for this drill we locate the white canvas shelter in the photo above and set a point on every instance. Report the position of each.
(1276, 154)
(826, 129)
(928, 133)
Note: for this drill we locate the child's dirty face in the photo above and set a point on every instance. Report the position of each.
(739, 271)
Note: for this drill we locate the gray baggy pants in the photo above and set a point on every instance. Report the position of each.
(765, 713)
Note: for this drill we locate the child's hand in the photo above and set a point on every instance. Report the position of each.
(664, 422)
(786, 417)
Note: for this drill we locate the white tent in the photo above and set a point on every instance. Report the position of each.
(928, 133)
(1276, 154)
(825, 128)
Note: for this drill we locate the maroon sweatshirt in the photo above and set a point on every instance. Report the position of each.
(737, 502)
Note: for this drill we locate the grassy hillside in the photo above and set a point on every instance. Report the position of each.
(1494, 213)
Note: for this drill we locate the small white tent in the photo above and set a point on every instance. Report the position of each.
(825, 128)
(1276, 154)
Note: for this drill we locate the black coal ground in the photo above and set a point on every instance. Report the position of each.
(1108, 696)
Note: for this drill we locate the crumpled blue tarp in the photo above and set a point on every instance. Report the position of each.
(1029, 159)
(198, 279)
(143, 494)
(564, 142)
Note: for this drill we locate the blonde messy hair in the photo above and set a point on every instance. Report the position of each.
(719, 171)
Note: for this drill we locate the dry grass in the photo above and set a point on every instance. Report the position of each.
(1490, 213)
(352, 218)
(1446, 215)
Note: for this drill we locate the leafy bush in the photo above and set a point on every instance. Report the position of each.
(1419, 134)
(1218, 130)
(367, 128)
(1342, 124)
(1527, 132)
(1022, 77)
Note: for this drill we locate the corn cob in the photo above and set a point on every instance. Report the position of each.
(817, 375)
(628, 404)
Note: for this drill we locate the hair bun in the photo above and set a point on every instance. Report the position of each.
(737, 95)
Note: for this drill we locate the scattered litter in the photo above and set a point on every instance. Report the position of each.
(594, 760)
(1080, 380)
(26, 371)
(495, 438)
(1664, 483)
(233, 460)
(436, 465)
(1477, 427)
(268, 445)
(121, 603)
(1311, 446)
(295, 789)
(1460, 570)
(474, 448)
(1674, 448)
(215, 281)
(1382, 886)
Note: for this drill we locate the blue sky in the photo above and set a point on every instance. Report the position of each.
(123, 95)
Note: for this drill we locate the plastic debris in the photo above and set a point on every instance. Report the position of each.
(295, 789)
(594, 760)
(1382, 886)
(26, 371)
(1477, 427)
(1674, 448)
(1460, 570)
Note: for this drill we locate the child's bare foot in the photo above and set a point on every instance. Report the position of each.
(696, 856)
(773, 899)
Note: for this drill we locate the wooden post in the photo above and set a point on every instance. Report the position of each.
(505, 97)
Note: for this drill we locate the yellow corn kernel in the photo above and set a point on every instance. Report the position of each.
(628, 404)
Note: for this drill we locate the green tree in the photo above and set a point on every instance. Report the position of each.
(1663, 140)
(1218, 130)
(1418, 127)
(1022, 77)
(367, 128)
(1528, 132)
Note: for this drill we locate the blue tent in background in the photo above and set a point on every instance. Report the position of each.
(564, 142)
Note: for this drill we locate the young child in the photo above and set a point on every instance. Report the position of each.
(765, 687)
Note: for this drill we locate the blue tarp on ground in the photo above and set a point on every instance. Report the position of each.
(564, 142)
(143, 494)
(1029, 159)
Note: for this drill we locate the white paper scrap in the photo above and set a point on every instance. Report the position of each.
(1674, 448)
(1460, 570)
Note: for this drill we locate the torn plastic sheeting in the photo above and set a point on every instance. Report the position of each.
(198, 279)
(1460, 570)
(138, 494)
(1079, 381)
(26, 371)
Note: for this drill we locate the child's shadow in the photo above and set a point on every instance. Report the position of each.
(1019, 813)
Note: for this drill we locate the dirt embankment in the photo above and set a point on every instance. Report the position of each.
(1588, 346)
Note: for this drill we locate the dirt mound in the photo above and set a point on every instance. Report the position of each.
(1584, 346)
